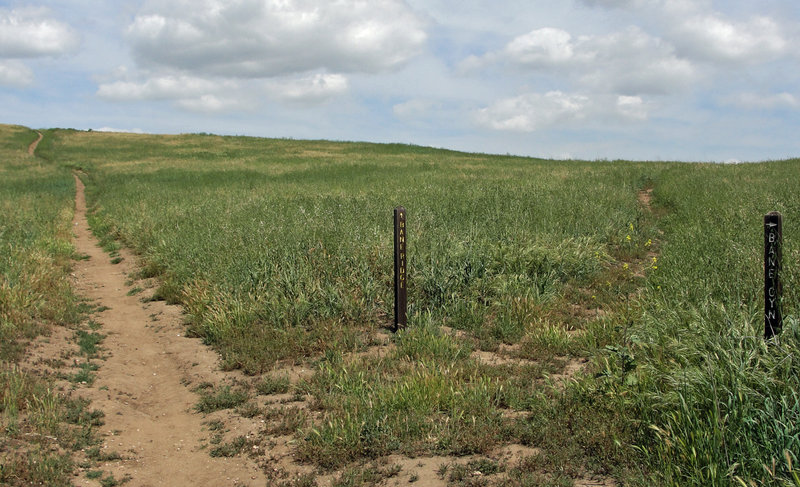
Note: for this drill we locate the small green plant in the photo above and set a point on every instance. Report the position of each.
(110, 481)
(84, 375)
(134, 291)
(248, 410)
(88, 342)
(273, 385)
(230, 449)
(98, 455)
(223, 398)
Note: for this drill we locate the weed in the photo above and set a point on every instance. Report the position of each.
(248, 410)
(84, 375)
(223, 398)
(286, 421)
(230, 449)
(98, 455)
(88, 342)
(134, 291)
(110, 481)
(273, 385)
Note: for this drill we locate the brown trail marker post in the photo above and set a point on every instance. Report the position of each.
(400, 281)
(773, 241)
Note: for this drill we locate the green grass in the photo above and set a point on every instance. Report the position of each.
(35, 244)
(224, 397)
(88, 342)
(39, 428)
(273, 385)
(280, 252)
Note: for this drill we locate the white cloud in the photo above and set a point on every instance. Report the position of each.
(159, 88)
(702, 33)
(754, 101)
(210, 103)
(533, 111)
(632, 107)
(188, 92)
(266, 38)
(541, 47)
(710, 37)
(127, 131)
(310, 89)
(15, 74)
(31, 32)
(633, 62)
(629, 62)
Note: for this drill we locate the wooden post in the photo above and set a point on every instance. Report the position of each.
(400, 281)
(773, 241)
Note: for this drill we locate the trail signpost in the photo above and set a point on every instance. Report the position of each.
(773, 241)
(400, 280)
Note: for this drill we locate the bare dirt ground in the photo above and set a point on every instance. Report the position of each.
(143, 383)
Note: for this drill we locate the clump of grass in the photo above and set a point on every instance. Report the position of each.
(230, 449)
(371, 474)
(88, 342)
(286, 421)
(429, 407)
(134, 291)
(248, 410)
(84, 374)
(471, 474)
(273, 385)
(224, 397)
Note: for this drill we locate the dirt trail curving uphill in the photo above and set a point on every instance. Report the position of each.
(143, 385)
(34, 144)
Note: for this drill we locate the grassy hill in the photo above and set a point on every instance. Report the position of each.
(609, 313)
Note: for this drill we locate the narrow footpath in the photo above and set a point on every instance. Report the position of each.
(144, 383)
(34, 144)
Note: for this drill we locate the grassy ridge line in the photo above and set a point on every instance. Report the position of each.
(37, 425)
(277, 250)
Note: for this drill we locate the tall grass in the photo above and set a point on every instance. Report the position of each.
(275, 246)
(281, 251)
(722, 402)
(35, 248)
(36, 199)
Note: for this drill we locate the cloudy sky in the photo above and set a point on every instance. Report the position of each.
(696, 80)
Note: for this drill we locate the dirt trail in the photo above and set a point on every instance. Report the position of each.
(34, 144)
(143, 383)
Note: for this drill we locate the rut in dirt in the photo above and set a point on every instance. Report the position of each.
(143, 383)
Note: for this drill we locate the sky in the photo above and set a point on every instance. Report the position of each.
(691, 80)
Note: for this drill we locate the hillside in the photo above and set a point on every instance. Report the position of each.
(570, 322)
